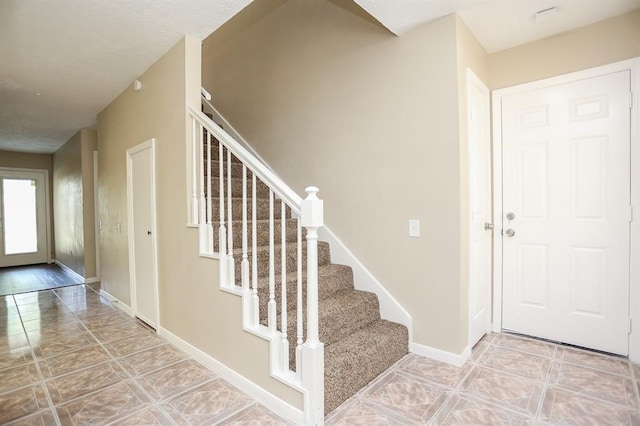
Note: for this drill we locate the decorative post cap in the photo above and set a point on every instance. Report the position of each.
(312, 209)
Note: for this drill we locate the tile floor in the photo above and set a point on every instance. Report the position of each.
(67, 356)
(509, 380)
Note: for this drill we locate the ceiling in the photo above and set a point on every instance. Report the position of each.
(63, 61)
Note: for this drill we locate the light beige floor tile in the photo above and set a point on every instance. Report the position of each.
(434, 371)
(464, 411)
(150, 416)
(415, 398)
(505, 390)
(105, 406)
(594, 383)
(49, 316)
(41, 306)
(21, 403)
(535, 347)
(115, 316)
(207, 404)
(120, 330)
(516, 362)
(562, 407)
(15, 357)
(76, 384)
(59, 331)
(71, 361)
(357, 411)
(151, 359)
(479, 350)
(63, 342)
(256, 415)
(44, 418)
(64, 323)
(607, 363)
(13, 341)
(17, 377)
(133, 344)
(174, 379)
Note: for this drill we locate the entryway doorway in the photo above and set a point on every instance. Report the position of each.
(24, 217)
(563, 209)
(141, 215)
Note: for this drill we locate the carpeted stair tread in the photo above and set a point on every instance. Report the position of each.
(262, 208)
(262, 232)
(352, 362)
(332, 278)
(291, 256)
(262, 190)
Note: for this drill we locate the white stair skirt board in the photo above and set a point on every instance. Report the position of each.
(265, 398)
(117, 303)
(69, 270)
(390, 308)
(457, 360)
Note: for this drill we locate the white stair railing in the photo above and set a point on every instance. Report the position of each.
(233, 206)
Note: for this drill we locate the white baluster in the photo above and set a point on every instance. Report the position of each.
(284, 351)
(194, 173)
(209, 195)
(245, 258)
(232, 267)
(254, 251)
(271, 306)
(222, 235)
(313, 349)
(299, 306)
(202, 201)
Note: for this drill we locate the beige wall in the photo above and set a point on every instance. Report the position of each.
(21, 160)
(602, 43)
(191, 305)
(73, 203)
(330, 99)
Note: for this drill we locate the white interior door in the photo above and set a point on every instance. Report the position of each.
(23, 217)
(142, 248)
(480, 205)
(566, 212)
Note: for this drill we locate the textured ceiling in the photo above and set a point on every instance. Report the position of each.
(63, 61)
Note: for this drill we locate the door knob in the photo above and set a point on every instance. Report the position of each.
(510, 233)
(148, 232)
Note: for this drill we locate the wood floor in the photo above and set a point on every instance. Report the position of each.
(22, 279)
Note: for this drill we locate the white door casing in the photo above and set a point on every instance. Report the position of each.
(566, 183)
(42, 219)
(479, 143)
(142, 232)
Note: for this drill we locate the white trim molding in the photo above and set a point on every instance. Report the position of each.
(278, 406)
(457, 360)
(70, 271)
(117, 302)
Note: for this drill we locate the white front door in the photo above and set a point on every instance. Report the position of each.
(23, 217)
(566, 212)
(480, 205)
(141, 200)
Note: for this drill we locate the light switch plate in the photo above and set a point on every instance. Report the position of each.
(414, 228)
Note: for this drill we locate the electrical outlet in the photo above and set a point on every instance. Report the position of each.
(414, 228)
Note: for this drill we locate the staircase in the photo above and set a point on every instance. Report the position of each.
(358, 344)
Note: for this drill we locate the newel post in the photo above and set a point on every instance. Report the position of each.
(312, 349)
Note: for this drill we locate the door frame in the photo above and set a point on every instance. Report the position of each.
(473, 80)
(148, 144)
(633, 66)
(47, 202)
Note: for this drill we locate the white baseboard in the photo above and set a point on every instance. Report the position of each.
(456, 360)
(390, 308)
(69, 270)
(273, 403)
(91, 280)
(126, 308)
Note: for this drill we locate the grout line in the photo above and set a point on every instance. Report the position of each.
(40, 375)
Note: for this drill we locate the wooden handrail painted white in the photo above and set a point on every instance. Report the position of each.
(277, 185)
